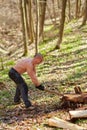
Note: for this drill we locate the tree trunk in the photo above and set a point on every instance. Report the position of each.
(30, 22)
(37, 27)
(69, 10)
(79, 8)
(76, 13)
(85, 14)
(54, 13)
(24, 25)
(42, 16)
(62, 20)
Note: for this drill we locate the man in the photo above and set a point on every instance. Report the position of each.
(25, 65)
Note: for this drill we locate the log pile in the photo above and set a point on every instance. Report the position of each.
(68, 99)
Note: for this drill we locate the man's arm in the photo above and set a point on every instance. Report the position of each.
(33, 77)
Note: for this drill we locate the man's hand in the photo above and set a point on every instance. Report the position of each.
(40, 87)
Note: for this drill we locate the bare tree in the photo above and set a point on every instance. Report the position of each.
(24, 24)
(30, 22)
(69, 7)
(79, 9)
(76, 12)
(54, 13)
(37, 27)
(62, 20)
(78, 6)
(42, 16)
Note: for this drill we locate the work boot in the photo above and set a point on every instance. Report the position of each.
(27, 104)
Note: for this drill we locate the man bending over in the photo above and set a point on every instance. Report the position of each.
(25, 65)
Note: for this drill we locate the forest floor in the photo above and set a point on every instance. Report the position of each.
(61, 71)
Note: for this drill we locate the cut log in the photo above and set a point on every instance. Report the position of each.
(56, 122)
(76, 98)
(78, 114)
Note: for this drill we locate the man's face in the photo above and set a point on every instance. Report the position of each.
(39, 60)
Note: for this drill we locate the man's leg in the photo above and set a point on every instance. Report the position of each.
(22, 86)
(17, 95)
(24, 94)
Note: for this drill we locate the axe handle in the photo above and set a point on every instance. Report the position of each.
(53, 92)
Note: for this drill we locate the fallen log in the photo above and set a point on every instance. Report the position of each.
(76, 98)
(71, 99)
(56, 122)
(78, 114)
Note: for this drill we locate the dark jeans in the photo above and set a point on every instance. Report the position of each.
(22, 88)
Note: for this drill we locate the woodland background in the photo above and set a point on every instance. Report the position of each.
(57, 29)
